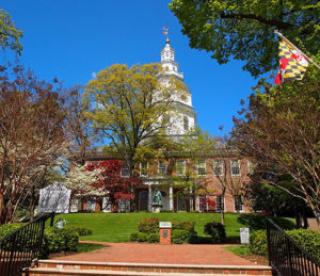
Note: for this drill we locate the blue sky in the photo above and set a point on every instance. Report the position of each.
(72, 39)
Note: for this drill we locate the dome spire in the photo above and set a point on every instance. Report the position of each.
(168, 63)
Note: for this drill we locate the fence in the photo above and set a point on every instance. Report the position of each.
(286, 257)
(18, 249)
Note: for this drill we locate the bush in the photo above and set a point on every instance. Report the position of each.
(134, 236)
(307, 239)
(258, 222)
(142, 237)
(184, 225)
(258, 243)
(7, 229)
(149, 225)
(180, 236)
(58, 240)
(153, 238)
(216, 231)
(82, 231)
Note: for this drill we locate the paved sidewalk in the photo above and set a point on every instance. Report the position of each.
(155, 253)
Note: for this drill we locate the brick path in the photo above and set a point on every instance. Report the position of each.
(155, 253)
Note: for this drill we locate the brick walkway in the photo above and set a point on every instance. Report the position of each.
(155, 253)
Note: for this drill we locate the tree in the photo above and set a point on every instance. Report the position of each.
(111, 182)
(77, 127)
(243, 30)
(130, 108)
(280, 131)
(9, 34)
(31, 136)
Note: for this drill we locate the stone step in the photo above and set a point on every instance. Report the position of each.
(61, 267)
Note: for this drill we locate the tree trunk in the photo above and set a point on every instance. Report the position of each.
(222, 216)
(2, 209)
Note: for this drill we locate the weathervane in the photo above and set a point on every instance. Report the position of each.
(165, 32)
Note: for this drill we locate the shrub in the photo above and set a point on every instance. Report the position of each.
(180, 236)
(216, 231)
(142, 237)
(153, 238)
(7, 229)
(258, 222)
(134, 236)
(82, 231)
(184, 225)
(258, 243)
(307, 239)
(149, 225)
(58, 240)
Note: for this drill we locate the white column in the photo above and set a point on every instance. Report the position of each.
(197, 203)
(171, 198)
(150, 198)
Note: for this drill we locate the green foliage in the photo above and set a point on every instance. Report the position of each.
(88, 247)
(134, 236)
(258, 222)
(180, 236)
(185, 225)
(153, 238)
(58, 240)
(9, 34)
(244, 30)
(142, 237)
(82, 231)
(149, 225)
(258, 243)
(7, 229)
(216, 230)
(307, 239)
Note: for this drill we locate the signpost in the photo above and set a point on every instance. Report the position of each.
(165, 232)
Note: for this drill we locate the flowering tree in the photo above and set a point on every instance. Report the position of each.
(111, 181)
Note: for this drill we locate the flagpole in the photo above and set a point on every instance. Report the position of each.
(294, 46)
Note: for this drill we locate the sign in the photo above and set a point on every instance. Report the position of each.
(245, 235)
(165, 224)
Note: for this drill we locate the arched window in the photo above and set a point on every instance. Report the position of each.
(185, 123)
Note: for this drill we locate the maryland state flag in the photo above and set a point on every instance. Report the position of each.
(293, 63)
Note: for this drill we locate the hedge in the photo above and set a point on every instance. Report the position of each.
(259, 222)
(216, 230)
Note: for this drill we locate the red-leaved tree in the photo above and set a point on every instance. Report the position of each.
(111, 180)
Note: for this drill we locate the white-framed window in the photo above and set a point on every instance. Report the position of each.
(219, 203)
(218, 168)
(180, 167)
(162, 168)
(237, 203)
(235, 167)
(125, 171)
(144, 169)
(201, 168)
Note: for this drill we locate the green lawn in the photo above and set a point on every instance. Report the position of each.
(117, 227)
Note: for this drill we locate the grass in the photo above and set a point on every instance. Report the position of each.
(240, 250)
(117, 227)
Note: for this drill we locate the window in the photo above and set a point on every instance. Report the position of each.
(218, 167)
(237, 203)
(235, 168)
(180, 167)
(220, 203)
(125, 170)
(162, 168)
(185, 123)
(201, 168)
(144, 169)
